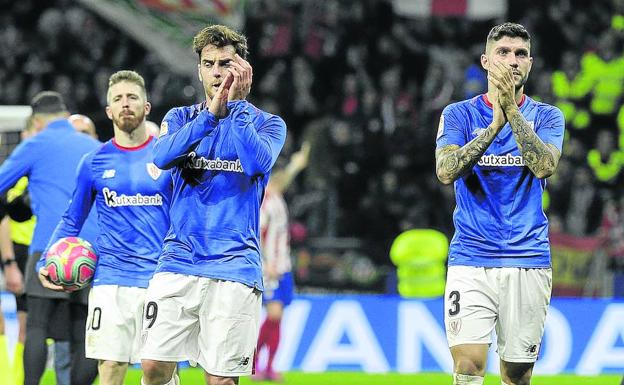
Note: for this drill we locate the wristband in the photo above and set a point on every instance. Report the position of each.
(8, 261)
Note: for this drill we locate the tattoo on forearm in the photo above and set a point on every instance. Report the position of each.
(454, 161)
(539, 157)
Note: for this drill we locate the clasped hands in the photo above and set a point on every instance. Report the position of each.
(501, 76)
(235, 86)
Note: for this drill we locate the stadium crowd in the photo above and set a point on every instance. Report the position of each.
(366, 87)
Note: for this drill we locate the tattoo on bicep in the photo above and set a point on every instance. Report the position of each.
(538, 156)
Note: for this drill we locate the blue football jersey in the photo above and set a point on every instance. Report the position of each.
(132, 198)
(49, 160)
(220, 170)
(499, 219)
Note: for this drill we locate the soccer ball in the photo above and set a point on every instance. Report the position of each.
(71, 263)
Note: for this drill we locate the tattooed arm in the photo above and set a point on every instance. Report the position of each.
(453, 161)
(541, 158)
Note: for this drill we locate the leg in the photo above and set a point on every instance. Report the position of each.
(6, 375)
(216, 380)
(83, 370)
(18, 354)
(520, 327)
(469, 363)
(470, 311)
(229, 318)
(158, 372)
(170, 326)
(275, 310)
(35, 348)
(62, 362)
(112, 372)
(516, 373)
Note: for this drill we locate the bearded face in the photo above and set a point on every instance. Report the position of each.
(127, 106)
(128, 120)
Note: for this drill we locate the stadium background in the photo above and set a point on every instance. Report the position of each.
(365, 82)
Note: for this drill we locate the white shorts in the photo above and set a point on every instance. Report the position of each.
(514, 300)
(114, 323)
(208, 321)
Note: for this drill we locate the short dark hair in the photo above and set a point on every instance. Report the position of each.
(220, 36)
(509, 30)
(48, 102)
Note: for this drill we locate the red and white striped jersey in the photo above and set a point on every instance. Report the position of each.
(275, 239)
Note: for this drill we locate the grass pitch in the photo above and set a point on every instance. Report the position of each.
(193, 376)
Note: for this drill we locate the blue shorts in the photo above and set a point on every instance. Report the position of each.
(283, 292)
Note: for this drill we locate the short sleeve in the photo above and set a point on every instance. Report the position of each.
(451, 129)
(551, 127)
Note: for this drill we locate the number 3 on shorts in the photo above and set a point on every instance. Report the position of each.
(151, 311)
(454, 305)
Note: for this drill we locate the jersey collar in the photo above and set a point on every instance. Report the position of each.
(489, 104)
(135, 148)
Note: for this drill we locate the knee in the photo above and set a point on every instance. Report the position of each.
(216, 380)
(521, 380)
(471, 367)
(112, 365)
(155, 372)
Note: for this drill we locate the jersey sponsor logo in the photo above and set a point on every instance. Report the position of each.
(113, 200)
(153, 171)
(108, 174)
(164, 129)
(440, 127)
(201, 163)
(501, 160)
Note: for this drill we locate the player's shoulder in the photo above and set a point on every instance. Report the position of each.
(100, 149)
(183, 113)
(464, 106)
(544, 107)
(262, 115)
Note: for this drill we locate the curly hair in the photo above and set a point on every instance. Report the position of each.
(220, 36)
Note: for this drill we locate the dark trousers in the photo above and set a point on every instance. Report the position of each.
(61, 320)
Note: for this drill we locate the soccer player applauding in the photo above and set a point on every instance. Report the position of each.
(204, 301)
(498, 148)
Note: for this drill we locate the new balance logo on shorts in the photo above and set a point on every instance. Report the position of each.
(532, 349)
(243, 361)
(112, 200)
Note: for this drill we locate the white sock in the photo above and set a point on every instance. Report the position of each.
(503, 382)
(174, 380)
(465, 379)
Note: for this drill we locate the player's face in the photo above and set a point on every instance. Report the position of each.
(514, 52)
(127, 106)
(213, 67)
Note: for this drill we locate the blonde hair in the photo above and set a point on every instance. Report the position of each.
(125, 76)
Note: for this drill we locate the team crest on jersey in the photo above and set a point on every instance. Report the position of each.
(164, 129)
(108, 174)
(440, 127)
(455, 326)
(153, 171)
